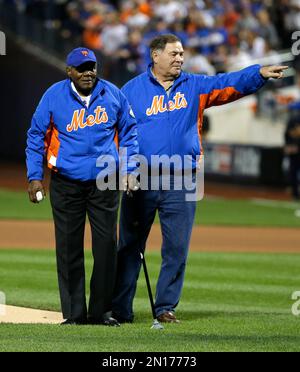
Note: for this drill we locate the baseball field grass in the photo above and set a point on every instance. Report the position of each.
(230, 302)
(210, 211)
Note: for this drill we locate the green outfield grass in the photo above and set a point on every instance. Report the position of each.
(15, 205)
(230, 302)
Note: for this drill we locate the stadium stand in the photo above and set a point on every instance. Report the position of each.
(214, 32)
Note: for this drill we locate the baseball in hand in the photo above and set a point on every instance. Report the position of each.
(39, 196)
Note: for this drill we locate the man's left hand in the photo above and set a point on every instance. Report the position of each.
(275, 72)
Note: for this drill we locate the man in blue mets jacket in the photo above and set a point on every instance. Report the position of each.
(168, 105)
(77, 121)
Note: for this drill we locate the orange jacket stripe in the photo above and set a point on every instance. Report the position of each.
(116, 139)
(215, 98)
(52, 143)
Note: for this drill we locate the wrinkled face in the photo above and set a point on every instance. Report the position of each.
(170, 60)
(83, 77)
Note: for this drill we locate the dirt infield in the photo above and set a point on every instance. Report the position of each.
(40, 235)
(22, 315)
(33, 234)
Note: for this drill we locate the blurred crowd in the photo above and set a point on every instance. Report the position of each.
(215, 33)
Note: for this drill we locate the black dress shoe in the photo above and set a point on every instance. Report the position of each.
(107, 321)
(111, 322)
(74, 322)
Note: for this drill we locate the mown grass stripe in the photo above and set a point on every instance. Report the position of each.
(210, 211)
(229, 303)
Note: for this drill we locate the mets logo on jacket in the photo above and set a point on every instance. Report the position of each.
(78, 119)
(158, 105)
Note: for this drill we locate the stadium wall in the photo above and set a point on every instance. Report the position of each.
(24, 79)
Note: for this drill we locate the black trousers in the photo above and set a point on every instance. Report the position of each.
(71, 201)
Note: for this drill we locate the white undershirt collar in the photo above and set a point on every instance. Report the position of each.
(85, 100)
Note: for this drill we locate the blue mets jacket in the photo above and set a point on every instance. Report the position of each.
(171, 125)
(72, 137)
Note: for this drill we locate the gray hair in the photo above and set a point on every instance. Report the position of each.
(160, 42)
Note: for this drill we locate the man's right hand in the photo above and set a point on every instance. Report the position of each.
(33, 188)
(275, 72)
(130, 184)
